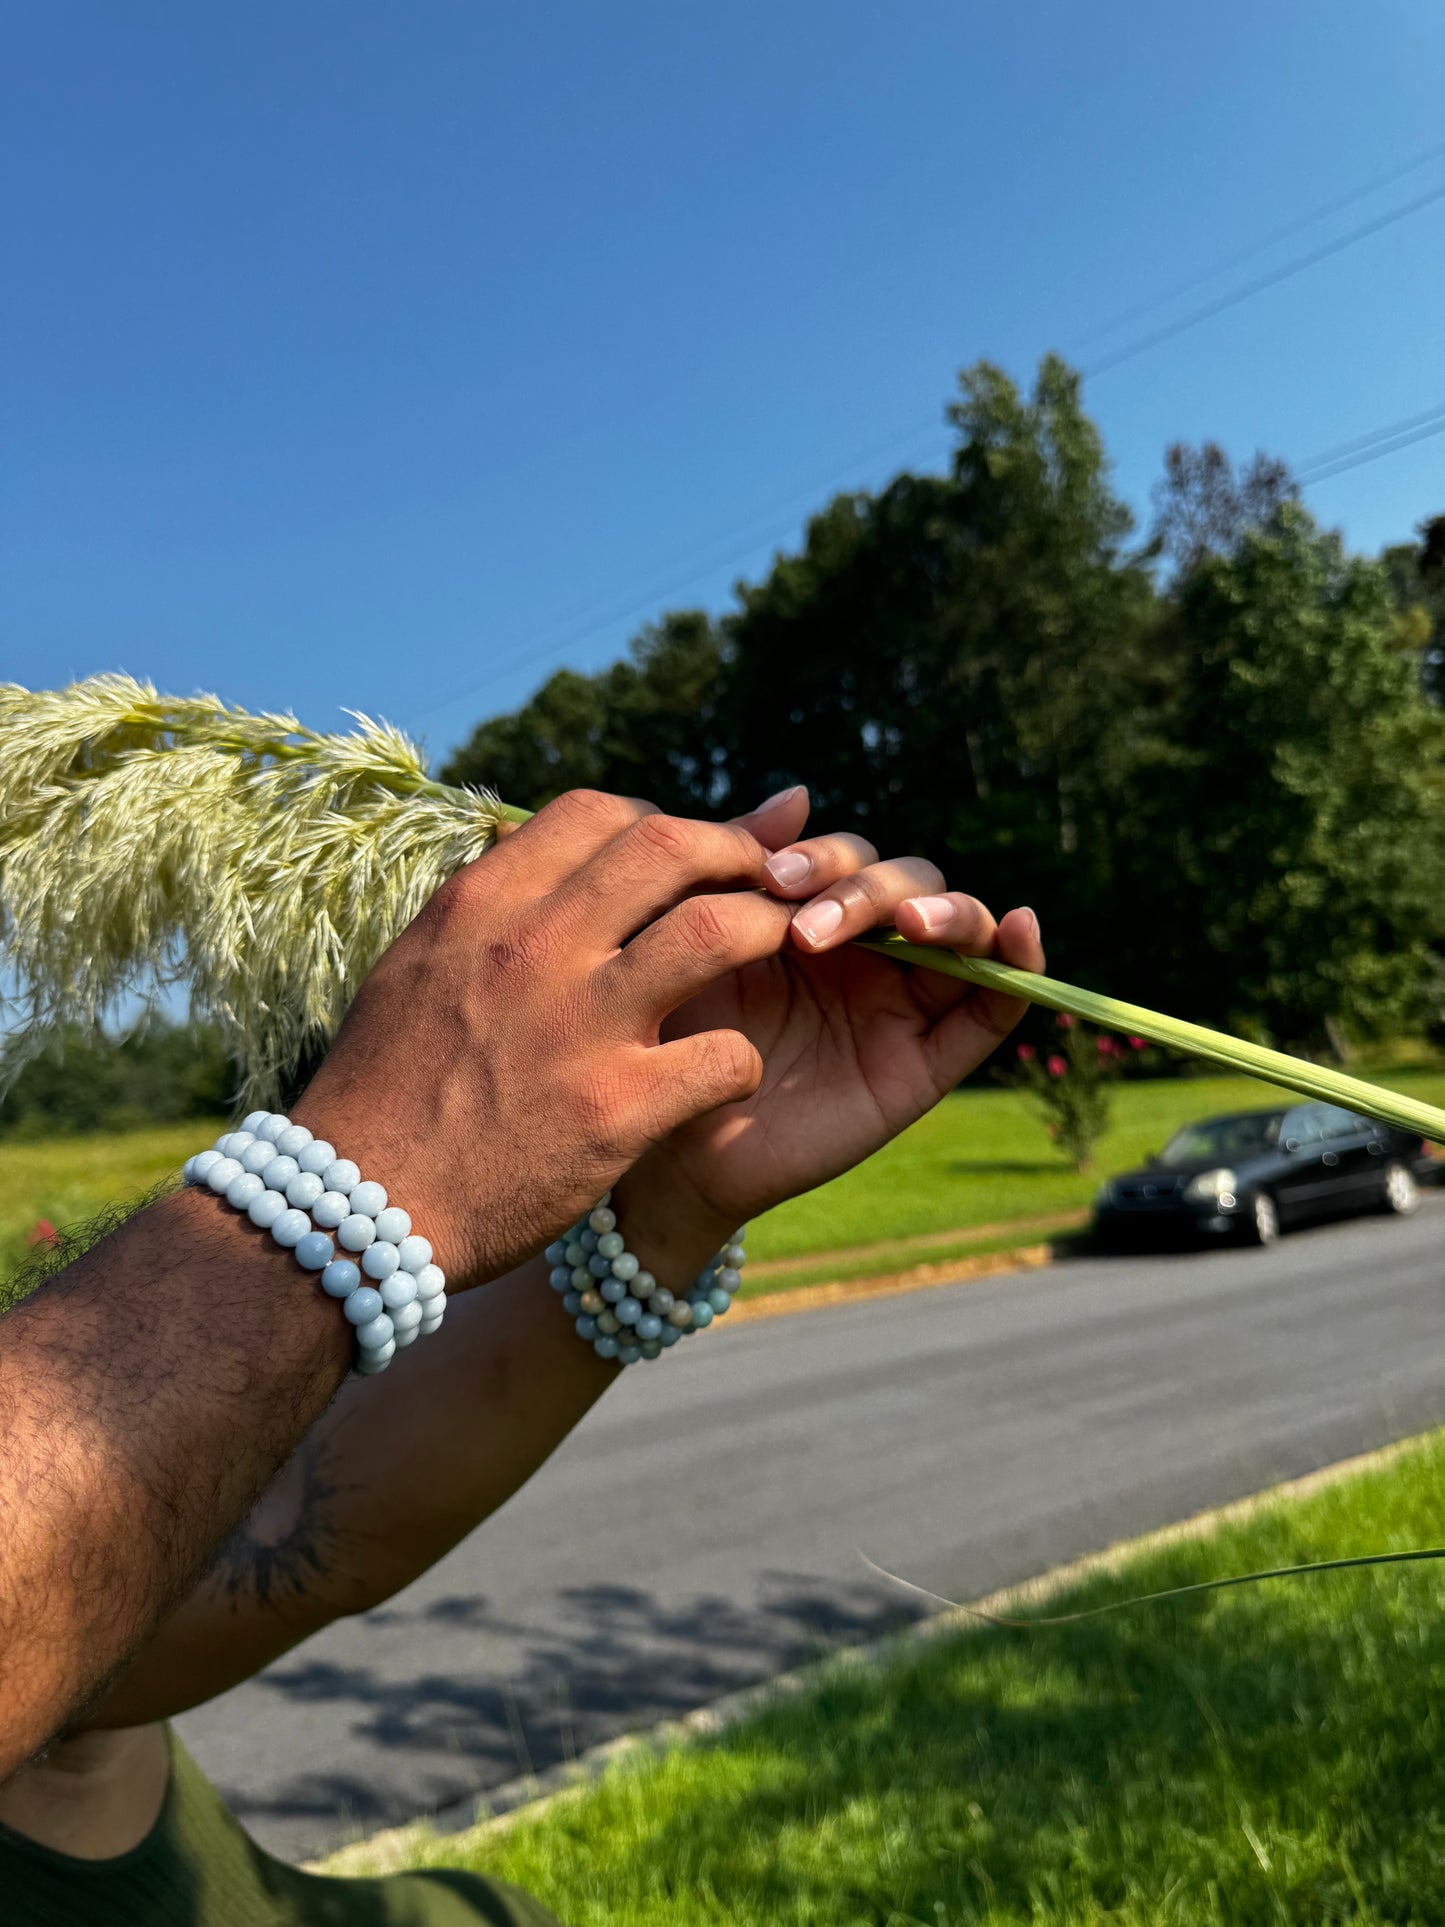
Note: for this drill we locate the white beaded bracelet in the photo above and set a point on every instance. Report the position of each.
(295, 1186)
(619, 1308)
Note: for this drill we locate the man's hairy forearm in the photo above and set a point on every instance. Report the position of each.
(148, 1393)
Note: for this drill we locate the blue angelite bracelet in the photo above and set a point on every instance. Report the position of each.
(295, 1186)
(617, 1306)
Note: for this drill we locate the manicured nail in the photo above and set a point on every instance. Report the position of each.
(788, 867)
(818, 922)
(781, 797)
(1031, 917)
(932, 911)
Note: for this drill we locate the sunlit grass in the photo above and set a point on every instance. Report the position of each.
(1259, 1756)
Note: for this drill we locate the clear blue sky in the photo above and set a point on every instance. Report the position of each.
(366, 354)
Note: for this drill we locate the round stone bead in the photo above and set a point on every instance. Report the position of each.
(340, 1278)
(701, 1316)
(592, 1302)
(378, 1260)
(643, 1283)
(303, 1190)
(601, 1220)
(572, 1303)
(219, 1176)
(398, 1290)
(291, 1227)
(317, 1156)
(574, 1254)
(241, 1190)
(625, 1266)
(253, 1121)
(393, 1224)
(668, 1336)
(342, 1176)
(628, 1354)
(293, 1140)
(605, 1345)
(582, 1279)
(406, 1337)
(430, 1323)
(272, 1126)
(363, 1304)
(586, 1328)
(609, 1322)
(556, 1251)
(651, 1348)
(680, 1317)
(265, 1210)
(369, 1198)
(330, 1210)
(314, 1251)
(719, 1300)
(613, 1290)
(733, 1255)
(369, 1363)
(201, 1163)
(415, 1252)
(376, 1332)
(649, 1326)
(588, 1241)
(235, 1142)
(405, 1317)
(560, 1278)
(729, 1278)
(279, 1173)
(599, 1266)
(430, 1281)
(610, 1245)
(355, 1233)
(628, 1311)
(257, 1155)
(661, 1299)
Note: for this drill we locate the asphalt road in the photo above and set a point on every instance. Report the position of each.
(701, 1530)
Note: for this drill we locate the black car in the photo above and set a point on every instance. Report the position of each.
(1250, 1174)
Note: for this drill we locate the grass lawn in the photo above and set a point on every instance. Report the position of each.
(1265, 1755)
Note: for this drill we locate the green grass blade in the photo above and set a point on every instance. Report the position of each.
(1191, 1040)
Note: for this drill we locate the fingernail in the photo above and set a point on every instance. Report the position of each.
(781, 797)
(1031, 917)
(818, 922)
(933, 911)
(788, 867)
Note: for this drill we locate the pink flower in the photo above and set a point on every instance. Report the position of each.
(1107, 1047)
(1057, 1067)
(1026, 1053)
(42, 1232)
(1064, 1020)
(1137, 1043)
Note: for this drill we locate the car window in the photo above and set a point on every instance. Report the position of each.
(1340, 1123)
(1225, 1140)
(1306, 1125)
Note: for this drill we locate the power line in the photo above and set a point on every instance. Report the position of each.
(1373, 435)
(1388, 444)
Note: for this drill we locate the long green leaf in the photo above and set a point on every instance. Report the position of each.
(1191, 1040)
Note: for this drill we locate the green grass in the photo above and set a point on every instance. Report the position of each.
(982, 1157)
(1265, 1755)
(67, 1180)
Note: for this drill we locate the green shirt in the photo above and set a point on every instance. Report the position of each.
(197, 1867)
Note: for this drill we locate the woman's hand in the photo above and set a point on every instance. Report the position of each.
(854, 1047)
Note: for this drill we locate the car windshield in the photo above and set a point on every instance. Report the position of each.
(1223, 1140)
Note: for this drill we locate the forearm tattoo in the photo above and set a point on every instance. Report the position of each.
(289, 1549)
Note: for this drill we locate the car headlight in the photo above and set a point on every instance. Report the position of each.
(1216, 1185)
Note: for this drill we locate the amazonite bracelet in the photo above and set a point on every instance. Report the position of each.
(618, 1307)
(294, 1186)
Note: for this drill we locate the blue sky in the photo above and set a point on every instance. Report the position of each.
(392, 356)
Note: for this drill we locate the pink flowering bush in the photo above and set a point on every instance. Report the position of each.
(1070, 1085)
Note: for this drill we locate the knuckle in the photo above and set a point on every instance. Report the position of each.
(667, 837)
(706, 929)
(866, 890)
(521, 952)
(732, 1060)
(594, 809)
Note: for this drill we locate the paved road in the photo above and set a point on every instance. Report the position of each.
(701, 1529)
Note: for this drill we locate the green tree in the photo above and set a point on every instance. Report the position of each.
(1416, 573)
(1293, 872)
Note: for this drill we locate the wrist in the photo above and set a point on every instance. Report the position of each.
(673, 1230)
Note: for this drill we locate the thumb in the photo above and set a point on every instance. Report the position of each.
(694, 1075)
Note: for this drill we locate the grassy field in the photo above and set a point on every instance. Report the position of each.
(1265, 1755)
(978, 1162)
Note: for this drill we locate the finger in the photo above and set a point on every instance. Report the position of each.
(804, 869)
(972, 1027)
(861, 902)
(951, 919)
(696, 1074)
(651, 865)
(780, 819)
(563, 835)
(690, 948)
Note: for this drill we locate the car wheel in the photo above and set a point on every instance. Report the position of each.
(1401, 1194)
(1262, 1225)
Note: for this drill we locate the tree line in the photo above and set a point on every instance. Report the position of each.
(1211, 754)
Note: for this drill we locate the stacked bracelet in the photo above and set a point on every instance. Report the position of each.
(619, 1308)
(295, 1186)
